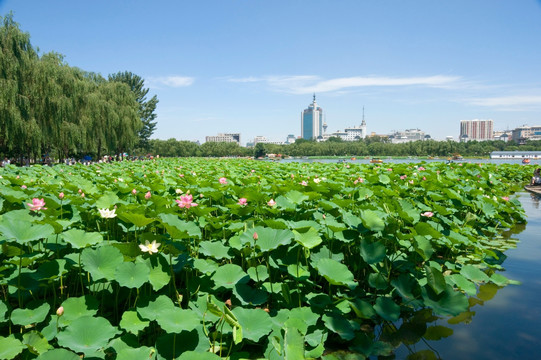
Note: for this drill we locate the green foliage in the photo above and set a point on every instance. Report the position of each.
(404, 247)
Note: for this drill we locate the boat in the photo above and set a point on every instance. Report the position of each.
(536, 189)
(376, 161)
(525, 161)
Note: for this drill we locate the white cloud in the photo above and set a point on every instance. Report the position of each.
(517, 100)
(305, 84)
(170, 81)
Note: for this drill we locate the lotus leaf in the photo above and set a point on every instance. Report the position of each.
(309, 239)
(59, 354)
(107, 200)
(139, 220)
(372, 252)
(151, 310)
(142, 352)
(32, 315)
(248, 295)
(214, 249)
(255, 322)
(36, 343)
(81, 239)
(340, 325)
(3, 311)
(336, 273)
(176, 320)
(258, 273)
(192, 355)
(387, 309)
(77, 307)
(132, 275)
(293, 344)
(23, 231)
(102, 262)
(474, 273)
(437, 332)
(179, 229)
(435, 279)
(267, 238)
(132, 323)
(158, 271)
(448, 302)
(373, 220)
(10, 347)
(87, 334)
(229, 275)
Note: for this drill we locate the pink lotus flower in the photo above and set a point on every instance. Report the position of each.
(420, 168)
(186, 202)
(403, 177)
(148, 195)
(242, 201)
(37, 205)
(222, 181)
(23, 187)
(82, 195)
(61, 195)
(506, 198)
(256, 236)
(271, 202)
(60, 311)
(134, 191)
(427, 214)
(304, 183)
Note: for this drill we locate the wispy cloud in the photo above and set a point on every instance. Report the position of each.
(305, 84)
(170, 81)
(508, 101)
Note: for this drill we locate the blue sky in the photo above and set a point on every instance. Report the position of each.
(252, 66)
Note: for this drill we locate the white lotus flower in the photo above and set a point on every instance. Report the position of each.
(150, 247)
(107, 214)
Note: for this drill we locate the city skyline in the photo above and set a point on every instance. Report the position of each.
(250, 67)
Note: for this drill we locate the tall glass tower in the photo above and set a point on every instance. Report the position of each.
(312, 121)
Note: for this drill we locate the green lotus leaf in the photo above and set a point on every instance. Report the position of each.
(76, 307)
(463, 284)
(372, 252)
(3, 311)
(136, 219)
(132, 275)
(336, 273)
(296, 197)
(107, 200)
(305, 314)
(426, 229)
(36, 343)
(32, 315)
(229, 275)
(448, 302)
(298, 271)
(151, 310)
(187, 342)
(10, 347)
(81, 239)
(362, 309)
(142, 352)
(59, 354)
(340, 325)
(132, 323)
(284, 203)
(351, 220)
(179, 229)
(372, 220)
(267, 238)
(309, 239)
(258, 273)
(87, 334)
(176, 320)
(387, 309)
(192, 355)
(102, 262)
(23, 231)
(384, 179)
(435, 279)
(52, 269)
(159, 275)
(255, 323)
(250, 296)
(215, 249)
(293, 344)
(474, 273)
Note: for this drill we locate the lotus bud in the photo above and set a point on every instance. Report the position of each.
(60, 311)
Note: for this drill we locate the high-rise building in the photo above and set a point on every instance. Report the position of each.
(312, 121)
(476, 130)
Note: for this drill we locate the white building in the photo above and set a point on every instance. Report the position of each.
(235, 137)
(523, 133)
(408, 135)
(476, 130)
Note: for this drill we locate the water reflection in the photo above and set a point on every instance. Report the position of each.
(501, 323)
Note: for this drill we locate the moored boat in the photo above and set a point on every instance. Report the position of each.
(376, 160)
(525, 161)
(536, 189)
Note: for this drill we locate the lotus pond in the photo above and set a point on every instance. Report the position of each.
(239, 259)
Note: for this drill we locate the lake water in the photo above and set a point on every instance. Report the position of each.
(508, 326)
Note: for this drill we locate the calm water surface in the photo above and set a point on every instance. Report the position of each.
(508, 326)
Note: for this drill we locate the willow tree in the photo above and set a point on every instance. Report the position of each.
(17, 65)
(146, 109)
